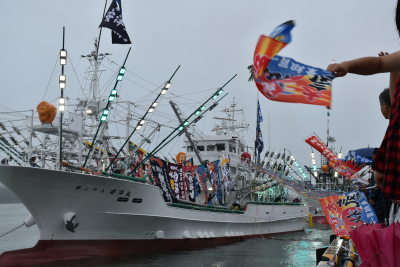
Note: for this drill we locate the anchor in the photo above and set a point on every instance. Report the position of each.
(69, 221)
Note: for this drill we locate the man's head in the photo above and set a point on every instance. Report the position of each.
(386, 105)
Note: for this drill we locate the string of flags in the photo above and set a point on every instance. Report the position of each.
(178, 180)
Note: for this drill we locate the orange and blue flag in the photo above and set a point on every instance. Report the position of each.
(346, 211)
(284, 79)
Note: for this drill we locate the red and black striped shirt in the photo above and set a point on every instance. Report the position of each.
(387, 159)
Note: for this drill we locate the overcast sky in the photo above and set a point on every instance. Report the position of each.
(212, 41)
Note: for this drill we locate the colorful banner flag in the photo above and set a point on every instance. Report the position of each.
(259, 138)
(226, 173)
(150, 174)
(159, 170)
(202, 174)
(346, 211)
(213, 168)
(188, 174)
(113, 21)
(175, 172)
(358, 158)
(284, 79)
(137, 158)
(346, 168)
(196, 185)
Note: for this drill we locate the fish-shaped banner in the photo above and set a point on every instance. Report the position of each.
(286, 80)
(346, 211)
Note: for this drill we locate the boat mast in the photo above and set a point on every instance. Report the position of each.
(187, 134)
(62, 95)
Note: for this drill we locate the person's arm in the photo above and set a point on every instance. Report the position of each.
(367, 65)
(378, 179)
(394, 75)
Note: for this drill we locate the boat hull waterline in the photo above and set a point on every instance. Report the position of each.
(115, 217)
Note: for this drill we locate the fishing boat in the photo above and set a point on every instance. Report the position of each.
(88, 200)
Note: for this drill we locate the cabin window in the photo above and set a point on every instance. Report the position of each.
(137, 200)
(220, 147)
(232, 148)
(122, 199)
(200, 148)
(211, 148)
(189, 149)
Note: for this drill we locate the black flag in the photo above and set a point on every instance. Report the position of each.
(113, 21)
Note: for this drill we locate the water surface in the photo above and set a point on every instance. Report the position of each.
(293, 249)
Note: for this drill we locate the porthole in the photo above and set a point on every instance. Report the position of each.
(122, 199)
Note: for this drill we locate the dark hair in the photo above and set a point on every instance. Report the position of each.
(375, 151)
(384, 97)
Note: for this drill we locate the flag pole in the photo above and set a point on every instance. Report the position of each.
(98, 43)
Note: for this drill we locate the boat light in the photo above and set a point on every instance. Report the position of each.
(151, 110)
(63, 57)
(111, 98)
(121, 74)
(61, 102)
(185, 123)
(122, 71)
(138, 127)
(89, 111)
(180, 128)
(154, 105)
(197, 112)
(220, 91)
(210, 189)
(114, 92)
(202, 108)
(62, 81)
(103, 118)
(214, 96)
(106, 112)
(142, 122)
(167, 85)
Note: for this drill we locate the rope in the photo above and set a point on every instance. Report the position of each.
(12, 230)
(50, 77)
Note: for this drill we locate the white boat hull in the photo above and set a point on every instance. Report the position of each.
(109, 227)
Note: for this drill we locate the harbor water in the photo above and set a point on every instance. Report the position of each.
(292, 249)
